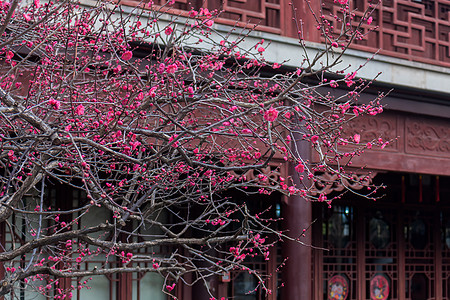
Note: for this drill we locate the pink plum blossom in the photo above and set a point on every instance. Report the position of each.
(168, 30)
(79, 110)
(127, 55)
(300, 168)
(55, 103)
(172, 68)
(271, 115)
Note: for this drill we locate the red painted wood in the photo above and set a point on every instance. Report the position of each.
(307, 13)
(318, 254)
(124, 286)
(297, 215)
(297, 272)
(416, 144)
(403, 189)
(407, 29)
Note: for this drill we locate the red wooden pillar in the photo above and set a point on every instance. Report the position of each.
(297, 216)
(297, 272)
(124, 286)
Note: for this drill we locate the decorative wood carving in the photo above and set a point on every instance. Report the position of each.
(416, 30)
(328, 182)
(423, 144)
(427, 137)
(264, 13)
(372, 128)
(266, 176)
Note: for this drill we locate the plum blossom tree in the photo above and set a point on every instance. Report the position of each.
(152, 121)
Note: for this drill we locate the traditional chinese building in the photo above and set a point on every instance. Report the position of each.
(397, 247)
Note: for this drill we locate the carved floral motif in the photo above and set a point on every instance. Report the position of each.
(372, 128)
(328, 182)
(267, 175)
(424, 137)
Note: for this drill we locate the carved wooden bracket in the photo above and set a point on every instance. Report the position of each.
(327, 182)
(264, 176)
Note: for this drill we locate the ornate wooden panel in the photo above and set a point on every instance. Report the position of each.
(423, 137)
(266, 14)
(184, 5)
(373, 127)
(416, 144)
(382, 253)
(417, 30)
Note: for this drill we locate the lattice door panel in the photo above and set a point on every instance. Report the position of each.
(445, 265)
(340, 259)
(419, 254)
(381, 251)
